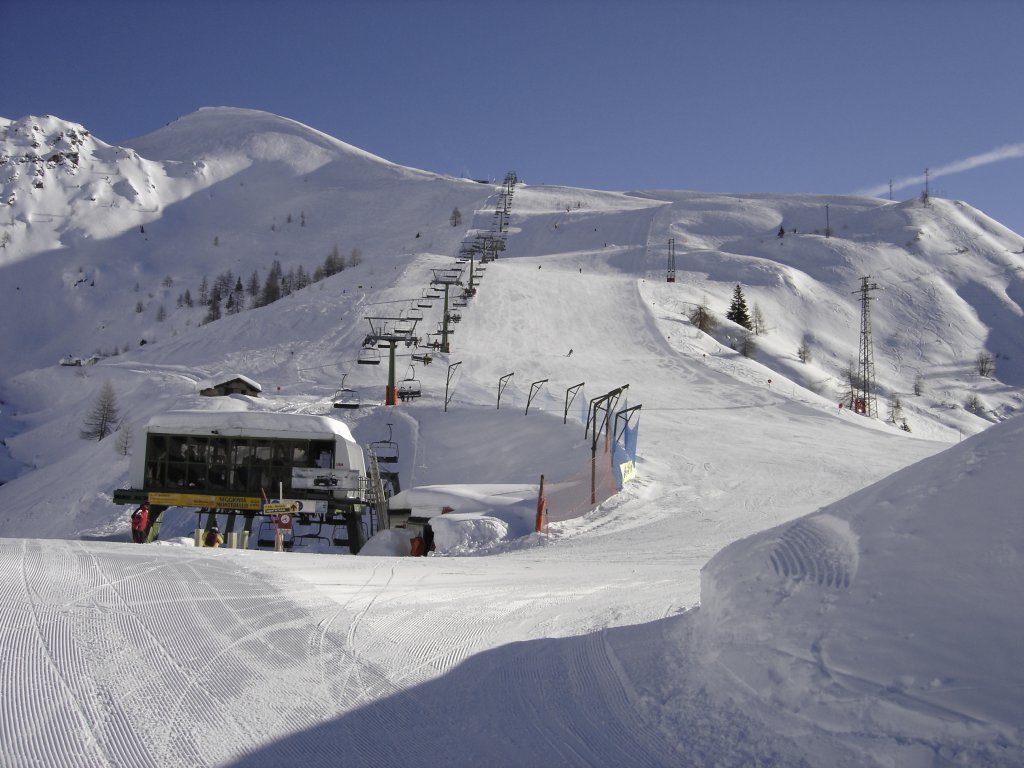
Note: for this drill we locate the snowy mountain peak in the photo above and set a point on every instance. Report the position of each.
(212, 132)
(61, 185)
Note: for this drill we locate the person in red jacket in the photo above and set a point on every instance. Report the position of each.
(140, 521)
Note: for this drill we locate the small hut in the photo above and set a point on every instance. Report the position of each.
(229, 384)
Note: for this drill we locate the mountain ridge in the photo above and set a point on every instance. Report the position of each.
(108, 279)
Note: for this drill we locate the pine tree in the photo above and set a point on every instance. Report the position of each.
(102, 419)
(272, 286)
(213, 313)
(238, 295)
(738, 309)
(334, 262)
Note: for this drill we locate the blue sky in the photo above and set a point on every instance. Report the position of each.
(726, 96)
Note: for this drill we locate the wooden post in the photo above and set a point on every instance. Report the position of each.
(541, 505)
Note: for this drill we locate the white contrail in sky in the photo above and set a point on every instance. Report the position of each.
(1009, 152)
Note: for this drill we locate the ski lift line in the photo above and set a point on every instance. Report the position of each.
(389, 301)
(328, 365)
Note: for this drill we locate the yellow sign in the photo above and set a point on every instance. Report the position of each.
(281, 508)
(628, 470)
(204, 501)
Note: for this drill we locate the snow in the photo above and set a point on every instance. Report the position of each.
(784, 583)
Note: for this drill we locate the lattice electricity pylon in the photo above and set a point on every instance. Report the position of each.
(863, 391)
(671, 260)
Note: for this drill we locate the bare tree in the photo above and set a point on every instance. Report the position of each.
(919, 385)
(748, 345)
(984, 364)
(895, 408)
(702, 317)
(124, 440)
(975, 404)
(803, 352)
(757, 321)
(102, 419)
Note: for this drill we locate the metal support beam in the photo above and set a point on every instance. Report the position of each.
(534, 389)
(502, 383)
(570, 397)
(451, 374)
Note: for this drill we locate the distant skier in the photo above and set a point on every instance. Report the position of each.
(140, 521)
(570, 353)
(213, 538)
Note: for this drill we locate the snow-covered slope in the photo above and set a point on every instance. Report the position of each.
(893, 609)
(110, 242)
(592, 664)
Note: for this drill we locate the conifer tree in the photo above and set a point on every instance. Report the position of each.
(738, 312)
(334, 262)
(272, 286)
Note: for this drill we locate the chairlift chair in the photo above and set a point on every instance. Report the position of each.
(409, 387)
(266, 536)
(414, 313)
(346, 398)
(386, 451)
(368, 356)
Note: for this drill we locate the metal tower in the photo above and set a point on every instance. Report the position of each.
(863, 391)
(445, 279)
(387, 333)
(671, 260)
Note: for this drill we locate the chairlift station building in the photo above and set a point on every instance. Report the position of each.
(232, 461)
